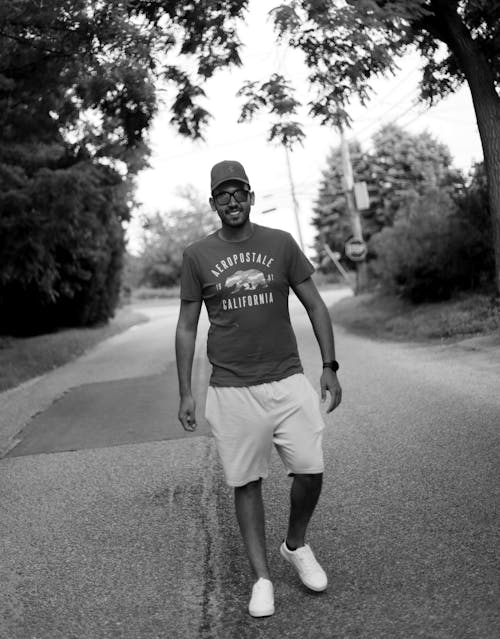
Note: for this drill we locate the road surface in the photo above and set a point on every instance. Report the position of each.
(117, 524)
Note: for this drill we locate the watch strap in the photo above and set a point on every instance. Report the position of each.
(334, 365)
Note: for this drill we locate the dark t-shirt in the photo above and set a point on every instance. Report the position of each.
(245, 288)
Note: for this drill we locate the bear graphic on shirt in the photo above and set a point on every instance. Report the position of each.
(248, 280)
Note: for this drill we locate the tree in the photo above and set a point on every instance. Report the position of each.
(401, 165)
(79, 86)
(346, 43)
(166, 235)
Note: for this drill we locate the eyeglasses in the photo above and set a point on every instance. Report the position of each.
(224, 197)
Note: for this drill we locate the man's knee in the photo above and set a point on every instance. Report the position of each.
(251, 485)
(310, 482)
(309, 477)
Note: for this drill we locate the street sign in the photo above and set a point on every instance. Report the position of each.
(355, 249)
(361, 196)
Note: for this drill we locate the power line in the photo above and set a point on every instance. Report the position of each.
(381, 116)
(417, 117)
(402, 81)
(366, 138)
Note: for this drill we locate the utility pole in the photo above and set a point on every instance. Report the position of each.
(352, 210)
(294, 198)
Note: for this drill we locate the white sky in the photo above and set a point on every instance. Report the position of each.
(176, 161)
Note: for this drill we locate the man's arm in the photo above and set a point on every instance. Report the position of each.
(308, 294)
(185, 339)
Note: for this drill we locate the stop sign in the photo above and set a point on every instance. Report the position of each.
(355, 249)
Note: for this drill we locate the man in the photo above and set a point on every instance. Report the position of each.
(258, 395)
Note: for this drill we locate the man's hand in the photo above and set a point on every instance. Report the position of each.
(329, 382)
(187, 413)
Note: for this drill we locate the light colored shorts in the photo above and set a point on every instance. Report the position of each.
(246, 422)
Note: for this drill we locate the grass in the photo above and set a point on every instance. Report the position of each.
(24, 358)
(386, 317)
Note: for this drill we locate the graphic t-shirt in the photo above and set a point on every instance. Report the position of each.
(245, 288)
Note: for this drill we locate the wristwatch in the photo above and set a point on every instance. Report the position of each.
(334, 365)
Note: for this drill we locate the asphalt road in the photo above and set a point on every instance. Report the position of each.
(117, 524)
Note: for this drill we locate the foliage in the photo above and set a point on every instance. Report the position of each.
(348, 43)
(166, 236)
(475, 220)
(401, 164)
(78, 90)
(276, 95)
(61, 244)
(106, 57)
(431, 251)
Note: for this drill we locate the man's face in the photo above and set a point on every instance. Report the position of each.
(232, 200)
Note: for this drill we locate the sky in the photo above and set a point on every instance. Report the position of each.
(176, 162)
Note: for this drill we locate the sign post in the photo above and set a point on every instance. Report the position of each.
(335, 257)
(354, 193)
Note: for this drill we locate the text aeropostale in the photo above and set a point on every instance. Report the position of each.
(248, 257)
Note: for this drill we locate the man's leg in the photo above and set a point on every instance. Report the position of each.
(250, 515)
(304, 496)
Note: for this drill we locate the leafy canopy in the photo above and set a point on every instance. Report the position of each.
(347, 43)
(79, 85)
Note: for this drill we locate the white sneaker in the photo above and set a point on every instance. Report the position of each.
(310, 572)
(262, 601)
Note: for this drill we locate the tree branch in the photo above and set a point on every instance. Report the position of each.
(26, 42)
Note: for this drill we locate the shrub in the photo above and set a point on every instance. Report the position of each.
(61, 247)
(474, 217)
(432, 251)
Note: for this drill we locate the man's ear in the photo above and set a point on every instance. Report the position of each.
(252, 198)
(212, 204)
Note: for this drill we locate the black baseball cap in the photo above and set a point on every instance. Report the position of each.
(225, 171)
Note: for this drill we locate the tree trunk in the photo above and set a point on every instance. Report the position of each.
(486, 101)
(487, 108)
(488, 119)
